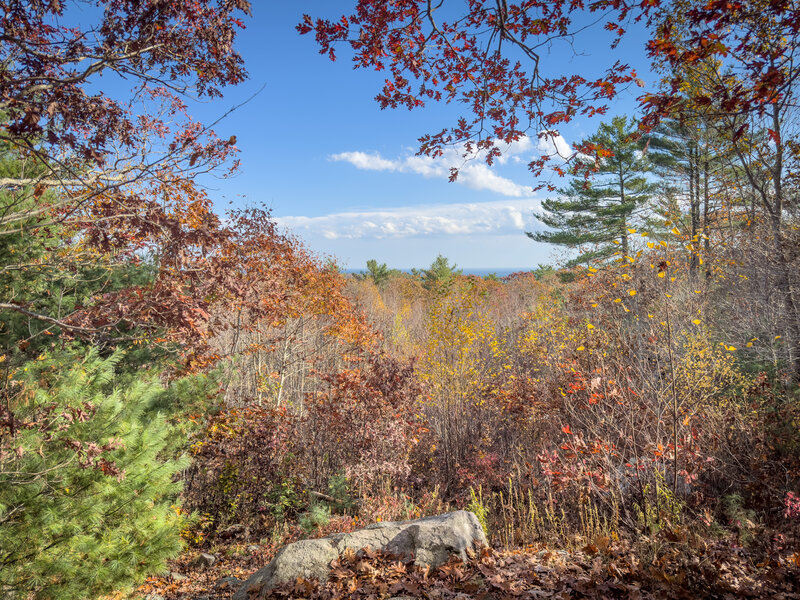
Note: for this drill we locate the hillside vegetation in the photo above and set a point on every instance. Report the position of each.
(177, 379)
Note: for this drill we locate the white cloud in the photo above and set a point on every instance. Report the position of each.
(473, 173)
(480, 218)
(368, 162)
(479, 176)
(552, 143)
(518, 151)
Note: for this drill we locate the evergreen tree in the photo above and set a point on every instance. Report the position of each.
(595, 216)
(46, 269)
(379, 273)
(441, 272)
(87, 488)
(692, 154)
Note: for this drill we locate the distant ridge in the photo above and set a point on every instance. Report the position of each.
(478, 272)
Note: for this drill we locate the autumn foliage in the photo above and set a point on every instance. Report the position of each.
(637, 407)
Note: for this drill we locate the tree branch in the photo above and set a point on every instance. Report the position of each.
(47, 319)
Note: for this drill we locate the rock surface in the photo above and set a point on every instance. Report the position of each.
(431, 541)
(204, 560)
(228, 584)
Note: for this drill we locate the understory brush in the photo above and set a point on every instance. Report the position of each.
(616, 406)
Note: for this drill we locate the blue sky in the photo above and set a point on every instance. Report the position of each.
(342, 174)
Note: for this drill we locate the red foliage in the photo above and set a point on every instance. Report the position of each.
(122, 166)
(362, 427)
(365, 424)
(204, 272)
(240, 464)
(487, 58)
(162, 47)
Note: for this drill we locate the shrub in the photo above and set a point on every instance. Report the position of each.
(317, 517)
(364, 425)
(259, 465)
(243, 468)
(479, 508)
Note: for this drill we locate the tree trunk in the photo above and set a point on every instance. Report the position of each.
(694, 209)
(783, 264)
(624, 228)
(706, 225)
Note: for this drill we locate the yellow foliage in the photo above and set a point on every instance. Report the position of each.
(547, 336)
(707, 374)
(399, 333)
(464, 352)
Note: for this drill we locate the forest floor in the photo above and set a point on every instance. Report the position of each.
(676, 565)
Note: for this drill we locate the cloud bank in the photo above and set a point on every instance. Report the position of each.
(482, 218)
(474, 173)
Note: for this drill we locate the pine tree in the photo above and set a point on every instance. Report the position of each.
(595, 216)
(379, 273)
(440, 273)
(87, 489)
(693, 154)
(47, 270)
